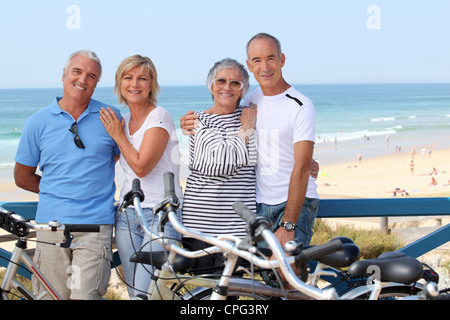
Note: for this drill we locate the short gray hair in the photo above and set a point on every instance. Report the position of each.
(90, 54)
(263, 35)
(225, 64)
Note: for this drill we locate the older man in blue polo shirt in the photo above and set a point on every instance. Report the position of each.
(76, 158)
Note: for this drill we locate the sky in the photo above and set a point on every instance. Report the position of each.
(325, 41)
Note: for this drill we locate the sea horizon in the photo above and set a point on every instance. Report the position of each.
(253, 85)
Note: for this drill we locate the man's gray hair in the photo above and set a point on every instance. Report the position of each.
(226, 64)
(263, 35)
(90, 54)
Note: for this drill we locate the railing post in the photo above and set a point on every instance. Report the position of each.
(384, 224)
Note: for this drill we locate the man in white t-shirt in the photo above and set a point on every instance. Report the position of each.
(285, 128)
(281, 123)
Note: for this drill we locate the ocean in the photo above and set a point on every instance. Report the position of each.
(350, 119)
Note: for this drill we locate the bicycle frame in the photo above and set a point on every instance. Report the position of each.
(10, 280)
(17, 225)
(231, 249)
(160, 289)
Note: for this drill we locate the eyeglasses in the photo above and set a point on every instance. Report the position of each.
(234, 84)
(76, 139)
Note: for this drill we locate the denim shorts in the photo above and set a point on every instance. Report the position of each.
(305, 222)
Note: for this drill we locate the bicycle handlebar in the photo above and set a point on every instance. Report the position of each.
(245, 213)
(19, 226)
(255, 221)
(169, 186)
(256, 224)
(318, 251)
(135, 192)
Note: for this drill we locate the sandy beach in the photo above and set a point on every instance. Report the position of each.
(387, 176)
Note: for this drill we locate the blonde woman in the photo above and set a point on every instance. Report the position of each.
(149, 148)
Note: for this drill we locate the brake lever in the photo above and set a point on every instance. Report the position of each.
(69, 245)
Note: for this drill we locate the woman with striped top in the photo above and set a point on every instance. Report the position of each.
(222, 156)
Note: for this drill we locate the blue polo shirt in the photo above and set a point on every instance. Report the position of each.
(77, 185)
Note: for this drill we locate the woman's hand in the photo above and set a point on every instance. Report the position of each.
(113, 125)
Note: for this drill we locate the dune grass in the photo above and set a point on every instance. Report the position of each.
(372, 243)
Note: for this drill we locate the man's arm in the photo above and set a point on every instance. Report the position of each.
(26, 177)
(188, 123)
(303, 151)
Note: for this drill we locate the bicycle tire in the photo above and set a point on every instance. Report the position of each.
(205, 294)
(392, 293)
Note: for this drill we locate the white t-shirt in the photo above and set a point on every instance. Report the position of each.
(282, 120)
(153, 183)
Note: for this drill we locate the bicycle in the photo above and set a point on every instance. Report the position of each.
(171, 262)
(18, 226)
(177, 260)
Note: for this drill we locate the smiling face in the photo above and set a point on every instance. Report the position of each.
(226, 96)
(265, 62)
(80, 79)
(135, 85)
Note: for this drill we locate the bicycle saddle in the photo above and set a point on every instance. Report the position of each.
(343, 258)
(392, 266)
(158, 258)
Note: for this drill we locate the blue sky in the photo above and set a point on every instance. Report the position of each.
(325, 41)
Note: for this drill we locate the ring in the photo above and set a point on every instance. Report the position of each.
(107, 122)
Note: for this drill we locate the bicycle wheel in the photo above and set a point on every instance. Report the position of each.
(444, 294)
(205, 294)
(392, 293)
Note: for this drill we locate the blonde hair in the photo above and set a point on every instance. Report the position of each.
(130, 63)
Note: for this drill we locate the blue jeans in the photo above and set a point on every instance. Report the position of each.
(305, 222)
(131, 238)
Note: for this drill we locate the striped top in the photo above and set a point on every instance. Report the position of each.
(222, 171)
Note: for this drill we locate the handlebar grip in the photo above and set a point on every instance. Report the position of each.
(136, 191)
(136, 184)
(83, 227)
(245, 213)
(318, 251)
(169, 187)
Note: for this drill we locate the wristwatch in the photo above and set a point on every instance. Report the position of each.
(288, 226)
